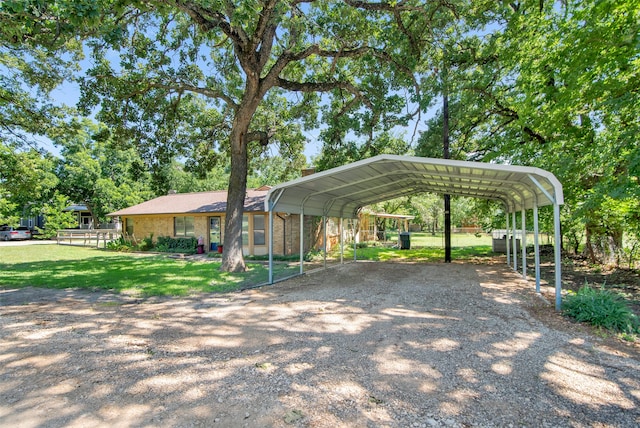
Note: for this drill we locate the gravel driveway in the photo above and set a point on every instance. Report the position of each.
(360, 345)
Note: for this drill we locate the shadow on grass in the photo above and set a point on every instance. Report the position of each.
(148, 276)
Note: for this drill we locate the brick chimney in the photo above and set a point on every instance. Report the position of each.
(308, 171)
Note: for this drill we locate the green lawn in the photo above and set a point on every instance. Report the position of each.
(425, 254)
(54, 266)
(424, 239)
(425, 247)
(62, 266)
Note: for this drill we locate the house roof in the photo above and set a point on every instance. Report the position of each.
(343, 191)
(76, 207)
(193, 203)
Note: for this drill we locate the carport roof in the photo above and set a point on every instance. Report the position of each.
(342, 191)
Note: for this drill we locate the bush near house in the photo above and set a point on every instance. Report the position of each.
(165, 244)
(176, 245)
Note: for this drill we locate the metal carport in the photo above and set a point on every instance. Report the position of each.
(341, 192)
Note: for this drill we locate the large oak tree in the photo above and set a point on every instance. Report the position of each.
(222, 78)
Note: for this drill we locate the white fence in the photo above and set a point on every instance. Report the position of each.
(87, 237)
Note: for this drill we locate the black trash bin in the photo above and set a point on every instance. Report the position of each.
(405, 241)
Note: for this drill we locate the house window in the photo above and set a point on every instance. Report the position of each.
(245, 230)
(184, 226)
(253, 225)
(129, 226)
(258, 229)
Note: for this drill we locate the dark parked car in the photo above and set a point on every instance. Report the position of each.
(8, 233)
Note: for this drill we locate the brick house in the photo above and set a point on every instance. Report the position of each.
(202, 214)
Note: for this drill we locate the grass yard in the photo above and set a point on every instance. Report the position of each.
(425, 239)
(425, 247)
(424, 254)
(60, 266)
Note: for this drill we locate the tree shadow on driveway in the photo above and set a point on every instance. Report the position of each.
(365, 344)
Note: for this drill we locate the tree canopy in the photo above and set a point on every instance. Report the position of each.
(206, 78)
(226, 85)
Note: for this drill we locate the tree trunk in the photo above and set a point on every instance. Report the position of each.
(615, 250)
(604, 245)
(232, 257)
(94, 220)
(591, 254)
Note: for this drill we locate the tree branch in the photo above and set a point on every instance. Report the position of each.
(185, 87)
(208, 20)
(261, 136)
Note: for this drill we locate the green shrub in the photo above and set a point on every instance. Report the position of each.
(146, 244)
(176, 245)
(601, 308)
(120, 244)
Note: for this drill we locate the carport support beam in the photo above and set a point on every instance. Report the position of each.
(557, 250)
(341, 240)
(355, 243)
(506, 237)
(270, 246)
(301, 240)
(515, 241)
(524, 243)
(324, 240)
(536, 244)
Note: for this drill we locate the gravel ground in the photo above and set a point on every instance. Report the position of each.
(360, 345)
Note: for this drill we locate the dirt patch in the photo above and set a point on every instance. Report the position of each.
(360, 345)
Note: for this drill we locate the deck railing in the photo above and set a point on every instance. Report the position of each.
(87, 237)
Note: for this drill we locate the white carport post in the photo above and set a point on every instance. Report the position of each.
(302, 240)
(557, 250)
(355, 242)
(341, 240)
(557, 241)
(324, 239)
(270, 246)
(506, 236)
(524, 243)
(536, 243)
(515, 240)
(270, 205)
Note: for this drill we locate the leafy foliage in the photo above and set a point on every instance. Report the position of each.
(554, 85)
(121, 244)
(208, 81)
(601, 308)
(56, 218)
(94, 172)
(176, 245)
